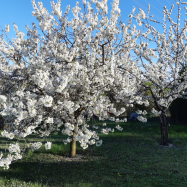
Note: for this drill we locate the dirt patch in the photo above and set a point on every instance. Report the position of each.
(163, 146)
(77, 158)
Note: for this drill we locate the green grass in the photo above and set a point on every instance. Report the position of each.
(134, 153)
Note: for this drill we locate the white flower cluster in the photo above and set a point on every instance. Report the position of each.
(6, 28)
(140, 118)
(11, 135)
(2, 99)
(40, 77)
(34, 146)
(13, 148)
(48, 145)
(31, 109)
(80, 121)
(142, 13)
(49, 120)
(150, 52)
(19, 93)
(139, 16)
(106, 131)
(139, 101)
(146, 33)
(141, 112)
(7, 135)
(68, 140)
(29, 130)
(46, 101)
(44, 24)
(119, 128)
(5, 162)
(155, 111)
(122, 120)
(163, 102)
(56, 9)
(63, 85)
(146, 103)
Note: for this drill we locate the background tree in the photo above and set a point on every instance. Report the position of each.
(166, 82)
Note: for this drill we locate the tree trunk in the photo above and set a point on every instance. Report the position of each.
(164, 129)
(73, 143)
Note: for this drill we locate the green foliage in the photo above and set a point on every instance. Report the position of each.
(151, 85)
(147, 92)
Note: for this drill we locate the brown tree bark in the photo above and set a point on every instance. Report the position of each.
(73, 144)
(164, 129)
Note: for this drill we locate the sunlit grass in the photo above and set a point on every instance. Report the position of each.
(131, 157)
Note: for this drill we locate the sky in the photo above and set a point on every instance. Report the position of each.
(20, 13)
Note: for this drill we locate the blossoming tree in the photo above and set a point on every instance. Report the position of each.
(65, 76)
(163, 75)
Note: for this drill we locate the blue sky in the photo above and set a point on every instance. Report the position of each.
(19, 12)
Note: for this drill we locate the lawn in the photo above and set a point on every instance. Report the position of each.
(127, 158)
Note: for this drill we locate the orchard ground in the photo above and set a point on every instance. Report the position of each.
(131, 157)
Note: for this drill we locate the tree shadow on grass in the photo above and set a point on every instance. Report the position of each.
(91, 169)
(99, 166)
(56, 173)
